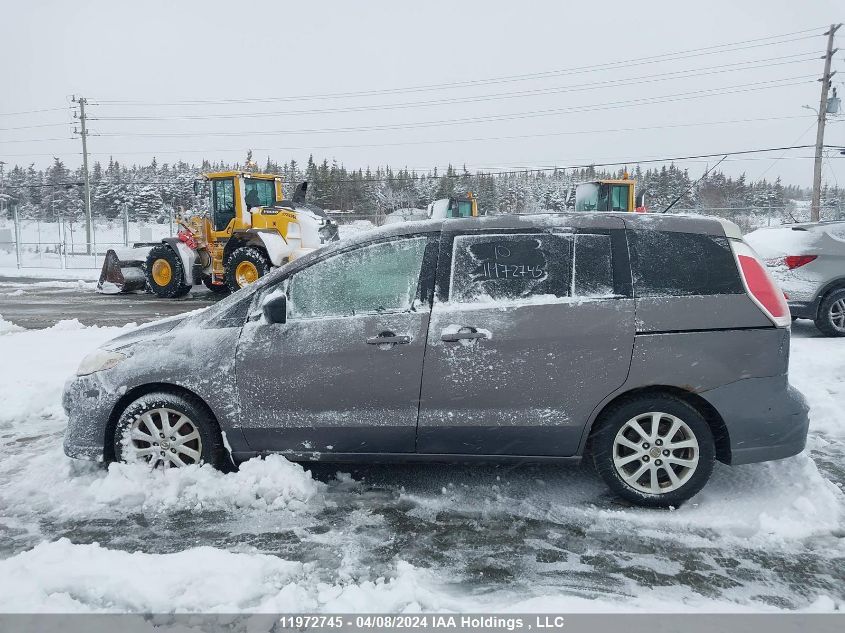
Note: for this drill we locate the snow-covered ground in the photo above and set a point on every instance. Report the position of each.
(276, 537)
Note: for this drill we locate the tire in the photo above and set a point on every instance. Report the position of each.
(650, 453)
(165, 273)
(831, 317)
(215, 288)
(246, 265)
(186, 416)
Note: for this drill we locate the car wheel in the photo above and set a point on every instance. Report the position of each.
(246, 265)
(166, 273)
(831, 317)
(654, 450)
(169, 430)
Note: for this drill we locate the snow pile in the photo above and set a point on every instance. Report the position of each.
(63, 577)
(58, 487)
(9, 269)
(7, 326)
(31, 386)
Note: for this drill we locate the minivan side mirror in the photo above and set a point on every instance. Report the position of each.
(275, 309)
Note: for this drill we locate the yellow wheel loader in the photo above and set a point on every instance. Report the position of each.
(609, 195)
(249, 230)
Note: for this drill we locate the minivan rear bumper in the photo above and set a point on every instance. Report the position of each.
(766, 418)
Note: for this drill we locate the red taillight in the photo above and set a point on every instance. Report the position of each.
(760, 285)
(796, 261)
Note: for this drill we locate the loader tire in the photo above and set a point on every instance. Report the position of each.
(246, 265)
(166, 273)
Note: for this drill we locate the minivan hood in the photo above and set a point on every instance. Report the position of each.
(147, 331)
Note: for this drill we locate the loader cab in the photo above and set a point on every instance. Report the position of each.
(234, 194)
(605, 195)
(223, 205)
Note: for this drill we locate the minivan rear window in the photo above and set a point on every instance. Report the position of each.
(664, 263)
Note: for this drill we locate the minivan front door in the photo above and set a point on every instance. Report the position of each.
(343, 373)
(527, 336)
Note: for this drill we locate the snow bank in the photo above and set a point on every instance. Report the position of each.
(57, 487)
(7, 327)
(63, 577)
(75, 274)
(31, 386)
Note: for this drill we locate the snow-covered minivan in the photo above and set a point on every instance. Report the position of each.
(654, 345)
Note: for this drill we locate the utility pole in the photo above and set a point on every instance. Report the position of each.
(83, 132)
(815, 207)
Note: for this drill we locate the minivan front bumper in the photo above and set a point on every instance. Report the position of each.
(766, 418)
(88, 405)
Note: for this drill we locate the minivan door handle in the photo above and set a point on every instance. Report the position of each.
(468, 335)
(388, 339)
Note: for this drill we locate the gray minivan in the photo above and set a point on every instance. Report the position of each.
(655, 345)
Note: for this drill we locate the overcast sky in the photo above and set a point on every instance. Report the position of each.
(555, 83)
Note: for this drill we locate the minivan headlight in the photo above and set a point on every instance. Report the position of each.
(99, 360)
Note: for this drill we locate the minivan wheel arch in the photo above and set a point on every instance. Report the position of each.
(133, 394)
(714, 420)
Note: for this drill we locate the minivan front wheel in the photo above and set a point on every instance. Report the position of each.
(655, 451)
(168, 430)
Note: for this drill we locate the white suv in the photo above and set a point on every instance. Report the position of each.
(808, 261)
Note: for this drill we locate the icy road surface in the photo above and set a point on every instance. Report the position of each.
(75, 537)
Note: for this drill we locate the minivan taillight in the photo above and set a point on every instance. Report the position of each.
(760, 286)
(796, 261)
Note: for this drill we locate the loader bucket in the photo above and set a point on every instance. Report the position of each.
(124, 272)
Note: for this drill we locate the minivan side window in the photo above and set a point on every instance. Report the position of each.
(682, 264)
(494, 267)
(381, 277)
(593, 266)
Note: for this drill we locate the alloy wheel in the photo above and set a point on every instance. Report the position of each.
(164, 437)
(655, 453)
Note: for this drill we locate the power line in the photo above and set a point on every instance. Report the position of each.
(66, 108)
(632, 81)
(31, 127)
(673, 56)
(683, 96)
(38, 140)
(454, 140)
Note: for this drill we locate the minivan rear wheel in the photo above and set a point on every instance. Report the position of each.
(831, 317)
(654, 450)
